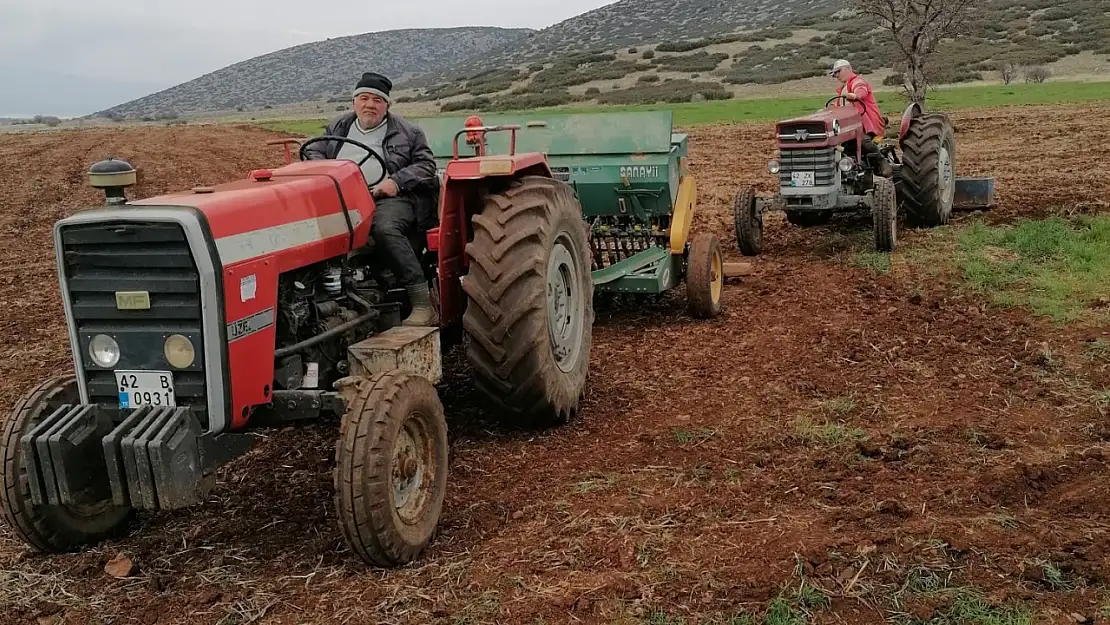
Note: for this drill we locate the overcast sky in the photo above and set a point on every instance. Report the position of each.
(51, 51)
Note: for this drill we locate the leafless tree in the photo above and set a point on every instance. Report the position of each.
(917, 26)
(1008, 72)
(1037, 74)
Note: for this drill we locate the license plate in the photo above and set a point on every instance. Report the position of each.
(801, 178)
(145, 388)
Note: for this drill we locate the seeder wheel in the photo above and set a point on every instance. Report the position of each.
(884, 215)
(748, 222)
(391, 469)
(705, 276)
(50, 529)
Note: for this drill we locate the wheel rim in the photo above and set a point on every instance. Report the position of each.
(413, 469)
(717, 278)
(564, 304)
(947, 186)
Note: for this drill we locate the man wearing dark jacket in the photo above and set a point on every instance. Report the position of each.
(406, 200)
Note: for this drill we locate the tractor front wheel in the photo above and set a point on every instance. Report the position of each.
(391, 468)
(927, 179)
(530, 310)
(748, 222)
(884, 215)
(705, 276)
(49, 529)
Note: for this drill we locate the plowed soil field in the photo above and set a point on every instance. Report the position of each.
(840, 445)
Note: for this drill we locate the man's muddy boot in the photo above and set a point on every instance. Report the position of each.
(423, 313)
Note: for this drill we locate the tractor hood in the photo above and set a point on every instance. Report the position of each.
(276, 211)
(824, 128)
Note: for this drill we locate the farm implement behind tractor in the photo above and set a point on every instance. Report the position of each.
(638, 196)
(826, 164)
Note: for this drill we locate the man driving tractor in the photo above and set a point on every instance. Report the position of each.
(406, 199)
(857, 90)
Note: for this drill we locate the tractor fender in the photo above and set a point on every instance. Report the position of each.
(912, 111)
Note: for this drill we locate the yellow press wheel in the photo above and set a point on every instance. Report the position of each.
(705, 276)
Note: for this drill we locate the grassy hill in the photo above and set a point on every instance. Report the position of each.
(319, 71)
(632, 52)
(649, 51)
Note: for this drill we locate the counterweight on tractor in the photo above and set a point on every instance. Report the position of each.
(823, 166)
(198, 317)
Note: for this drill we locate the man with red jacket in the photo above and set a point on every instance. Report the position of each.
(858, 91)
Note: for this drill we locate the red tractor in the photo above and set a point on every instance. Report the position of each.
(197, 317)
(824, 165)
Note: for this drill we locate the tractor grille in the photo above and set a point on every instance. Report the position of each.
(817, 160)
(105, 258)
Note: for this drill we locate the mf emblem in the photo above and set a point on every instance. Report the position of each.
(836, 127)
(132, 300)
(801, 134)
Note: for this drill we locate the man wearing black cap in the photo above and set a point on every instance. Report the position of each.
(406, 200)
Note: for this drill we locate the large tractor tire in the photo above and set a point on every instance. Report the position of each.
(748, 222)
(530, 311)
(391, 469)
(49, 529)
(884, 215)
(927, 180)
(705, 276)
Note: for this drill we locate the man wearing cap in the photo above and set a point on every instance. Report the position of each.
(406, 199)
(858, 91)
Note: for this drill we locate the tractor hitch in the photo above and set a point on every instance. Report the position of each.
(157, 458)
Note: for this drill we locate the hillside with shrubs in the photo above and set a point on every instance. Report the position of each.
(751, 44)
(643, 51)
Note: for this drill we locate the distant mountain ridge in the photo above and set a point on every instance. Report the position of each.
(643, 22)
(320, 70)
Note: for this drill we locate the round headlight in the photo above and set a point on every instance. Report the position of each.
(846, 164)
(773, 167)
(104, 350)
(179, 351)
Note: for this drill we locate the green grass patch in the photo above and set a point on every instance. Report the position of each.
(297, 127)
(1055, 267)
(827, 434)
(770, 109)
(878, 262)
(970, 608)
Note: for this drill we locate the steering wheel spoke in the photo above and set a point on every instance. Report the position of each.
(370, 153)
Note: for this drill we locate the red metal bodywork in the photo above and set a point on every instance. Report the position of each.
(290, 217)
(841, 124)
(273, 222)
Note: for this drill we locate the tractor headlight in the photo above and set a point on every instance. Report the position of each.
(104, 350)
(773, 167)
(179, 351)
(846, 164)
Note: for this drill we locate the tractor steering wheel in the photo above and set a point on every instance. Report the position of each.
(834, 98)
(370, 152)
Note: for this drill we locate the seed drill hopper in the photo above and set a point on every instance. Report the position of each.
(632, 178)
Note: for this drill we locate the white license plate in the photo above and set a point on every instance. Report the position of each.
(801, 178)
(145, 388)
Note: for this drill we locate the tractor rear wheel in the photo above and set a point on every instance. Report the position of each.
(884, 215)
(530, 310)
(748, 223)
(927, 180)
(705, 276)
(49, 529)
(391, 468)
